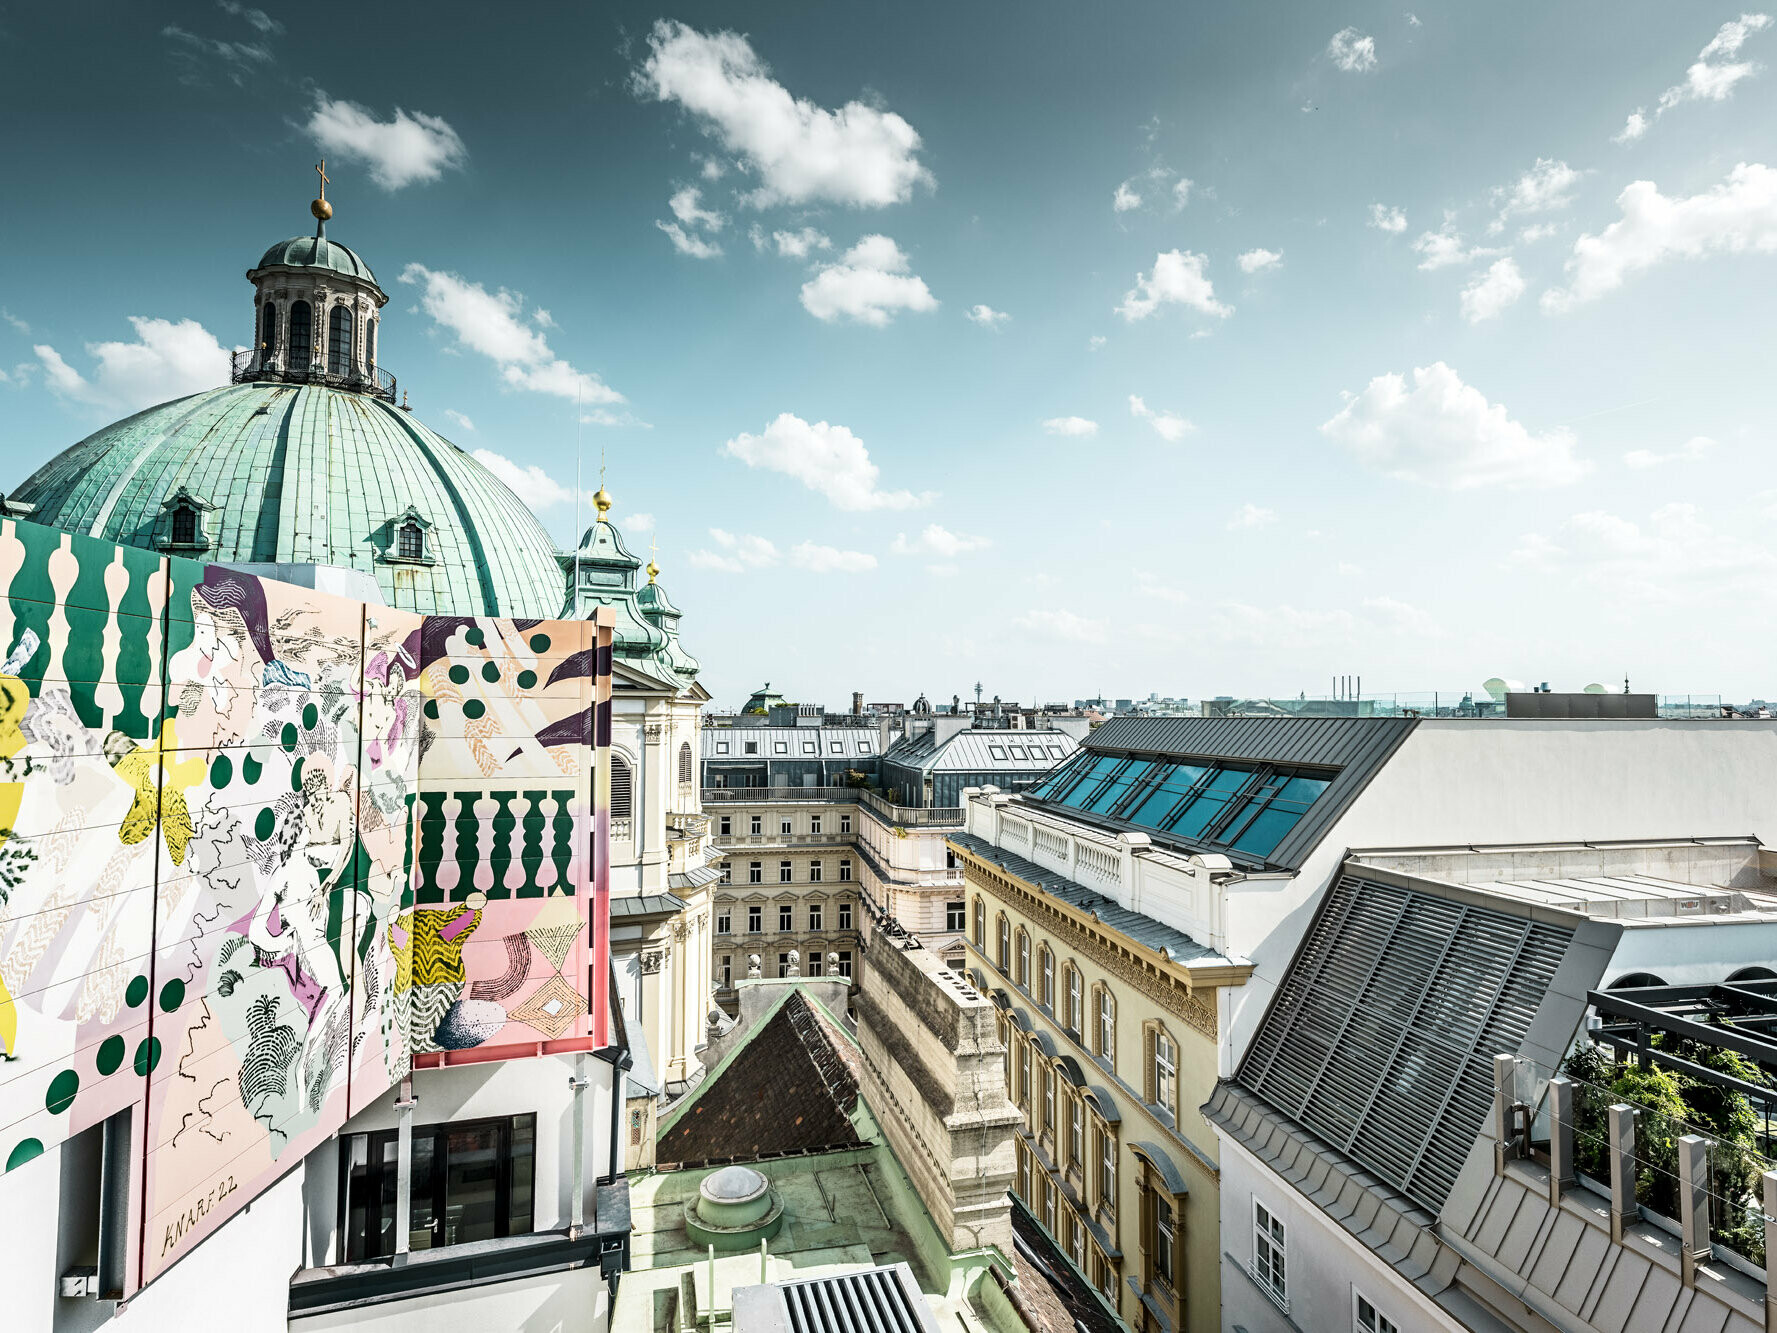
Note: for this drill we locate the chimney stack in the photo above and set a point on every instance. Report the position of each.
(857, 703)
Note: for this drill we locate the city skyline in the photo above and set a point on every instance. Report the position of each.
(719, 258)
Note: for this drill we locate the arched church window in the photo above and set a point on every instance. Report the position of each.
(185, 526)
(268, 329)
(685, 761)
(301, 344)
(339, 341)
(622, 792)
(370, 342)
(410, 542)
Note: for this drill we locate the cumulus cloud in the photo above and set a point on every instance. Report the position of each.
(410, 148)
(819, 559)
(986, 316)
(1738, 216)
(1445, 246)
(1489, 293)
(1258, 261)
(1157, 185)
(1688, 452)
(462, 422)
(793, 244)
(688, 244)
(1077, 427)
(870, 284)
(934, 540)
(1059, 623)
(735, 553)
(825, 458)
(490, 324)
(1677, 555)
(800, 153)
(1439, 431)
(1250, 515)
(1177, 279)
(1545, 188)
(1095, 342)
(1385, 218)
(687, 206)
(168, 360)
(1168, 426)
(537, 488)
(1352, 51)
(1712, 77)
(1125, 199)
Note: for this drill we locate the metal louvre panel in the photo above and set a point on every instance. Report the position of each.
(1381, 1037)
(868, 1302)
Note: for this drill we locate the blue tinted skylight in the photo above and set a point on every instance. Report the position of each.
(1245, 807)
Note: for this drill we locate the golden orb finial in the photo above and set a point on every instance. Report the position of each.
(653, 568)
(320, 207)
(601, 501)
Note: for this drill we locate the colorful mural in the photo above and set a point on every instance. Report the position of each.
(262, 850)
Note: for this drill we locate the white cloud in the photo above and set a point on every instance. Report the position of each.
(1739, 216)
(17, 323)
(489, 323)
(869, 284)
(168, 360)
(1095, 342)
(1059, 623)
(830, 559)
(801, 153)
(1677, 556)
(934, 540)
(1181, 192)
(409, 149)
(1413, 20)
(686, 243)
(1442, 432)
(797, 244)
(1545, 188)
(1712, 77)
(1445, 246)
(986, 316)
(1125, 199)
(1352, 51)
(1688, 452)
(1258, 261)
(825, 458)
(1250, 515)
(738, 553)
(687, 207)
(1148, 584)
(1388, 219)
(1489, 293)
(236, 61)
(1073, 426)
(532, 484)
(1540, 231)
(1168, 425)
(1177, 278)
(463, 422)
(641, 521)
(257, 19)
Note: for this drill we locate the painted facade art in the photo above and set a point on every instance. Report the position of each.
(262, 850)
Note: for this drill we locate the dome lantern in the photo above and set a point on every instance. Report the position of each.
(316, 313)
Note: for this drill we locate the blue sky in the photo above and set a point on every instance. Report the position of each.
(1199, 349)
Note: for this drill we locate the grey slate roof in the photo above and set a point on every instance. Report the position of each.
(973, 751)
(853, 742)
(1357, 747)
(1168, 941)
(646, 904)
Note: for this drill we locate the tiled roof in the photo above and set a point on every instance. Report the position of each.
(789, 1089)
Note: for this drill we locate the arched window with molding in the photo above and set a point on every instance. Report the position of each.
(685, 770)
(410, 541)
(370, 342)
(1046, 977)
(1104, 1038)
(1160, 1072)
(980, 923)
(1022, 976)
(301, 335)
(340, 329)
(1004, 951)
(622, 794)
(1074, 1018)
(268, 330)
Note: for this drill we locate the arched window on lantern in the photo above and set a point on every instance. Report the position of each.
(268, 330)
(370, 343)
(340, 328)
(301, 335)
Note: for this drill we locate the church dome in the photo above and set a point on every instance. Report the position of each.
(317, 252)
(274, 473)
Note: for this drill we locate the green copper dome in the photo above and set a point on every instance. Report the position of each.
(275, 473)
(317, 252)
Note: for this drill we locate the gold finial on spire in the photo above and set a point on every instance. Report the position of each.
(601, 501)
(653, 567)
(321, 208)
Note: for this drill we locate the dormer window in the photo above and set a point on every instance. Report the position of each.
(410, 543)
(184, 526)
(407, 542)
(182, 523)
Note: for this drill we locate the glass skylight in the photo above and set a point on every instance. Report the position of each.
(1246, 807)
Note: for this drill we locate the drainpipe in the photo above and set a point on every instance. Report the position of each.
(1019, 1304)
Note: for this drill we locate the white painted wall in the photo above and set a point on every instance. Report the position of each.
(1324, 1263)
(572, 1302)
(1692, 952)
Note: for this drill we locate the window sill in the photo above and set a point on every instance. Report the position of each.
(1281, 1301)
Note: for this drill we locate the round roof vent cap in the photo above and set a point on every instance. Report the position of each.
(733, 1184)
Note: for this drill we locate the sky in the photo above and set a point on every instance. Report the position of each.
(1069, 349)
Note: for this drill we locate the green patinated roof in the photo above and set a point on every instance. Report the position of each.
(318, 252)
(310, 475)
(647, 629)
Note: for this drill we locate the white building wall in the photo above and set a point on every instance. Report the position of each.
(570, 1302)
(1325, 1266)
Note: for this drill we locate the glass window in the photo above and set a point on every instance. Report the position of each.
(814, 916)
(756, 825)
(953, 916)
(1208, 800)
(1024, 959)
(845, 823)
(725, 826)
(1165, 1072)
(1368, 1319)
(1005, 951)
(845, 918)
(1024, 1074)
(1260, 833)
(1076, 1140)
(1163, 1238)
(814, 872)
(845, 962)
(836, 747)
(1017, 751)
(786, 917)
(783, 872)
(809, 747)
(780, 747)
(755, 872)
(412, 544)
(998, 752)
(1075, 1007)
(814, 963)
(1107, 1028)
(185, 526)
(845, 871)
(724, 922)
(1055, 752)
(864, 745)
(980, 925)
(814, 823)
(1268, 1252)
(301, 344)
(752, 747)
(727, 971)
(784, 825)
(1107, 1170)
(1049, 1101)
(339, 341)
(783, 964)
(268, 329)
(721, 747)
(755, 920)
(1046, 988)
(472, 1180)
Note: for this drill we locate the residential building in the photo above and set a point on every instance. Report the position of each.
(1174, 863)
(1412, 1140)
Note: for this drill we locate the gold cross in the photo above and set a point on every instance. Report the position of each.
(321, 171)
